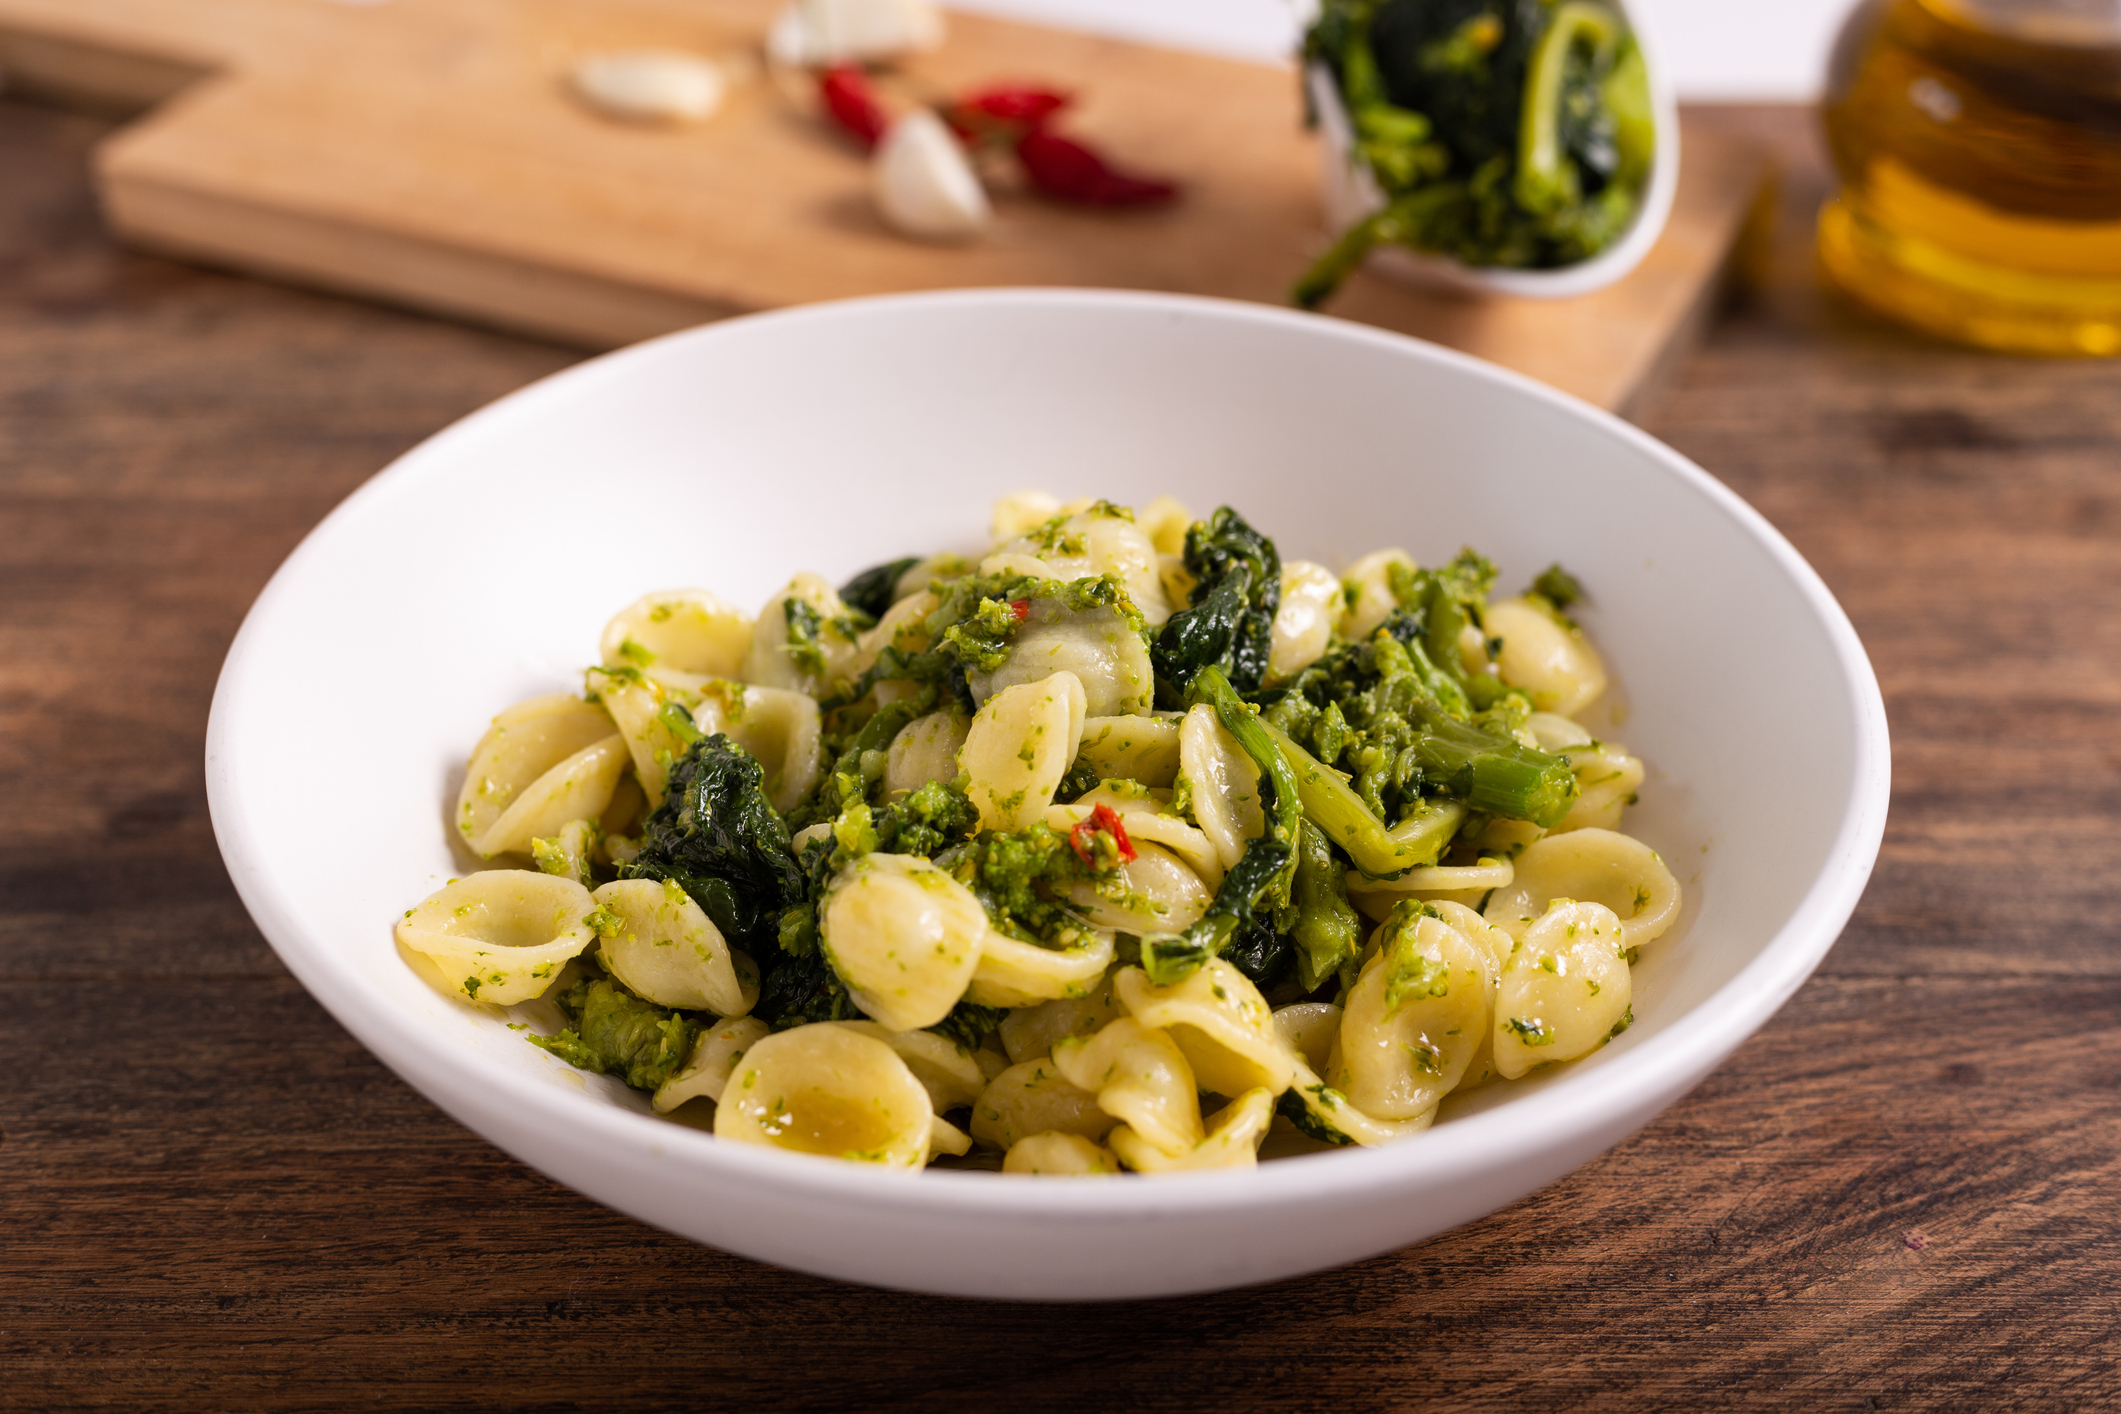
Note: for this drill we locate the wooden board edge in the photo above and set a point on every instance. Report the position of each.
(515, 296)
(1693, 323)
(90, 76)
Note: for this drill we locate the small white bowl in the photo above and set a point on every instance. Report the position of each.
(1352, 194)
(479, 569)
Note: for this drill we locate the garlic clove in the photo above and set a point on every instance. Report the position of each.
(813, 33)
(924, 184)
(650, 85)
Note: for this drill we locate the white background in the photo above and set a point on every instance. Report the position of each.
(1728, 50)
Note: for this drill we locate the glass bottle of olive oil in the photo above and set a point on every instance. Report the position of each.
(1979, 144)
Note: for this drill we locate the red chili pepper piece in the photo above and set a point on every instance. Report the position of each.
(1102, 820)
(853, 103)
(1014, 103)
(1069, 171)
(1020, 609)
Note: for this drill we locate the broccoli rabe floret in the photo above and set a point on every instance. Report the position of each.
(617, 1033)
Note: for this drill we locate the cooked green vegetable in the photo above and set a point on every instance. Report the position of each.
(1380, 715)
(1327, 931)
(717, 837)
(1500, 132)
(1230, 622)
(617, 1033)
(872, 591)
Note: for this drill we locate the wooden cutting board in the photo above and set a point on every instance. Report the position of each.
(429, 152)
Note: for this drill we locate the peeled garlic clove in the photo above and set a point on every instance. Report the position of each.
(811, 33)
(650, 85)
(924, 184)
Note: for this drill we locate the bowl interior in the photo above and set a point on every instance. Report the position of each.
(480, 570)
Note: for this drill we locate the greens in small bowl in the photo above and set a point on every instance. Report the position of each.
(1523, 146)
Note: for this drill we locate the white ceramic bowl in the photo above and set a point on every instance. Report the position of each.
(1350, 194)
(479, 569)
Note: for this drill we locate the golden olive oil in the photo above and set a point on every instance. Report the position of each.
(1979, 144)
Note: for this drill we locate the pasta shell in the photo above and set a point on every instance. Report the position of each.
(825, 1089)
(1565, 991)
(666, 949)
(501, 936)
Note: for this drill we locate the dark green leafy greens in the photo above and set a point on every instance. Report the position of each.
(1230, 622)
(1499, 132)
(871, 592)
(718, 838)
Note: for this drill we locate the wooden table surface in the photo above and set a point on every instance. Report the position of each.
(1902, 1194)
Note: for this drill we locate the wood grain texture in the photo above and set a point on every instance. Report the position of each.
(1900, 1195)
(431, 154)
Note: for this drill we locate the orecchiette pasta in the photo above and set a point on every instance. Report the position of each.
(1607, 778)
(1017, 974)
(1553, 663)
(1311, 604)
(1223, 783)
(1147, 820)
(1020, 511)
(1032, 1032)
(1623, 874)
(925, 750)
(578, 787)
(524, 744)
(502, 936)
(996, 859)
(1033, 1097)
(905, 938)
(653, 740)
(1143, 748)
(1018, 748)
(945, 1069)
(781, 729)
(1165, 520)
(1155, 892)
(828, 1090)
(1060, 1155)
(1309, 1029)
(1415, 1019)
(1366, 589)
(1141, 1078)
(1097, 541)
(1102, 650)
(1222, 1025)
(689, 630)
(807, 649)
(903, 626)
(666, 949)
(714, 1057)
(1231, 1141)
(570, 853)
(1566, 990)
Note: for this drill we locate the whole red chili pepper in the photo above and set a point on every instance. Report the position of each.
(1102, 820)
(1067, 170)
(1020, 104)
(853, 103)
